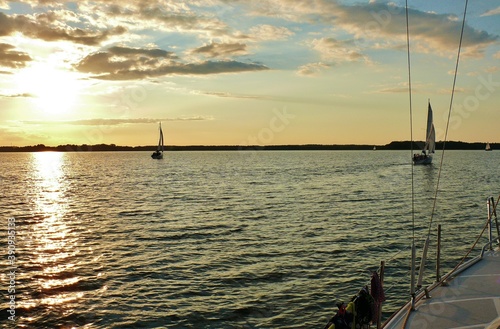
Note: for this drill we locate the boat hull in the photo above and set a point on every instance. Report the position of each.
(157, 156)
(422, 160)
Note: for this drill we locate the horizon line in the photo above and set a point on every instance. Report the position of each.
(403, 145)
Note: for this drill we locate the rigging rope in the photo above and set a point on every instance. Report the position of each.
(445, 136)
(449, 115)
(411, 124)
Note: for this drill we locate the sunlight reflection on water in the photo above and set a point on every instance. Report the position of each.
(51, 245)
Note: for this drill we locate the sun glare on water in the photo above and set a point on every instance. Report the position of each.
(54, 90)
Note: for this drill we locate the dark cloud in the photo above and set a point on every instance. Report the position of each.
(12, 58)
(221, 49)
(121, 63)
(45, 27)
(140, 51)
(122, 59)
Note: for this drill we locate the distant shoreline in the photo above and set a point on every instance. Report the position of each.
(396, 145)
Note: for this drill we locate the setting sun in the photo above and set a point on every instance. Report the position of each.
(53, 90)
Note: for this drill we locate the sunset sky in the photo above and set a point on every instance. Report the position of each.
(239, 72)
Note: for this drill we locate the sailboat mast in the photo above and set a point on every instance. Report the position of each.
(161, 138)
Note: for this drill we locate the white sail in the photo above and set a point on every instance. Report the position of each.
(158, 154)
(160, 141)
(430, 141)
(430, 137)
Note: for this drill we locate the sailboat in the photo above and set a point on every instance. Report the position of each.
(469, 295)
(488, 147)
(158, 154)
(430, 141)
(466, 297)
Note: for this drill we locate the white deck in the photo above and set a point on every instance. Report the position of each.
(471, 300)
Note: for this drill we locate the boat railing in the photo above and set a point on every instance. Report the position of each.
(492, 215)
(422, 292)
(489, 245)
(492, 219)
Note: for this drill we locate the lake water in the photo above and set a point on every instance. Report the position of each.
(263, 239)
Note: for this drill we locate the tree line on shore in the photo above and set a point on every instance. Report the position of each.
(395, 145)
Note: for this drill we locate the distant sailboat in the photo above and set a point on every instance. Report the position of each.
(488, 147)
(430, 141)
(158, 154)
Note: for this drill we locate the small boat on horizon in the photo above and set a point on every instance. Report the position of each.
(158, 154)
(488, 147)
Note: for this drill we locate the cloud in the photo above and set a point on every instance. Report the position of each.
(229, 95)
(291, 10)
(492, 12)
(402, 87)
(337, 50)
(312, 69)
(47, 27)
(447, 91)
(115, 122)
(267, 32)
(159, 15)
(120, 59)
(430, 32)
(221, 50)
(492, 69)
(23, 95)
(350, 32)
(395, 90)
(371, 23)
(121, 63)
(12, 58)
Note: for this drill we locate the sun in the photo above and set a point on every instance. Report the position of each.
(54, 90)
